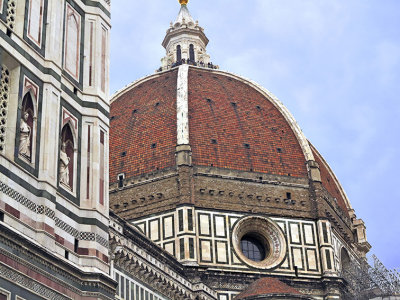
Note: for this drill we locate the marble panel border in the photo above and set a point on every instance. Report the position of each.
(78, 83)
(41, 50)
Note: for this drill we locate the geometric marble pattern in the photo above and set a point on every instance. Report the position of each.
(4, 95)
(40, 209)
(11, 13)
(28, 283)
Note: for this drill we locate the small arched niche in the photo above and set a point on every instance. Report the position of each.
(345, 260)
(28, 128)
(67, 158)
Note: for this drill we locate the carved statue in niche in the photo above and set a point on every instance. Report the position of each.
(25, 137)
(64, 162)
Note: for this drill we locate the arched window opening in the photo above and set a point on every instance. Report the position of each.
(191, 53)
(253, 247)
(345, 264)
(178, 53)
(66, 172)
(345, 259)
(27, 128)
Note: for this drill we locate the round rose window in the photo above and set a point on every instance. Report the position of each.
(259, 242)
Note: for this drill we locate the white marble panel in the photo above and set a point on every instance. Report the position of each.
(298, 258)
(235, 259)
(206, 250)
(205, 224)
(295, 233)
(168, 227)
(312, 259)
(154, 230)
(232, 221)
(142, 227)
(169, 248)
(308, 234)
(54, 31)
(72, 42)
(220, 226)
(221, 252)
(35, 21)
(285, 263)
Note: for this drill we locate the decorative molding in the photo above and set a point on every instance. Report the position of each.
(11, 13)
(182, 106)
(28, 283)
(19, 250)
(4, 103)
(267, 230)
(135, 254)
(41, 209)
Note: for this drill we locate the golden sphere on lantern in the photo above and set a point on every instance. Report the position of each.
(183, 2)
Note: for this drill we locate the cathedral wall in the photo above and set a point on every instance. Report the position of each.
(54, 132)
(145, 271)
(204, 237)
(148, 194)
(212, 187)
(131, 288)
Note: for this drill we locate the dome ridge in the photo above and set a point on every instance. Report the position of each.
(134, 83)
(327, 166)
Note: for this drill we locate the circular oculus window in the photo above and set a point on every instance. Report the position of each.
(259, 242)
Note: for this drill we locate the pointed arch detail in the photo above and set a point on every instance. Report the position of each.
(72, 42)
(68, 152)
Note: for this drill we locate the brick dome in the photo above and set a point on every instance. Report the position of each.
(213, 168)
(270, 288)
(143, 122)
(233, 124)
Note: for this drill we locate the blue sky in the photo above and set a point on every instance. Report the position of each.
(335, 64)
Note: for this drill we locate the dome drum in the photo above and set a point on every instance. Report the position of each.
(212, 187)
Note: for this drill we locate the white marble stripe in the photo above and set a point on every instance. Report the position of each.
(182, 106)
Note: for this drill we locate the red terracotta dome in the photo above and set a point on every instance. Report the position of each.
(233, 124)
(213, 168)
(270, 288)
(143, 122)
(331, 183)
